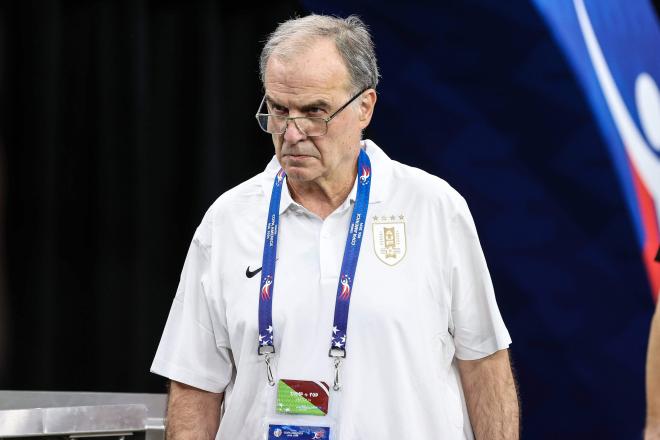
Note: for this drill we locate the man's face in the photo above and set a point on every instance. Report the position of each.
(315, 82)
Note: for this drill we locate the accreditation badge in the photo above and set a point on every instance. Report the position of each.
(302, 409)
(302, 397)
(279, 432)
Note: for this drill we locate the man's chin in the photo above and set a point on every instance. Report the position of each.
(299, 174)
(300, 167)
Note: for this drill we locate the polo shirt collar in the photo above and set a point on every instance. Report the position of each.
(287, 201)
(381, 171)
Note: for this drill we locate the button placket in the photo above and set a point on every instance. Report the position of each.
(333, 240)
(325, 251)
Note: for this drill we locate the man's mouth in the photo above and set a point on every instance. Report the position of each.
(298, 155)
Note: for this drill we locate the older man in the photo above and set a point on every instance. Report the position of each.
(261, 317)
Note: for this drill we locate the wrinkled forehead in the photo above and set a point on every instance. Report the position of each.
(307, 68)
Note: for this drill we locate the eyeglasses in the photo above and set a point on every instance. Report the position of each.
(310, 126)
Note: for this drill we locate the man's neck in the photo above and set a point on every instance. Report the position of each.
(324, 196)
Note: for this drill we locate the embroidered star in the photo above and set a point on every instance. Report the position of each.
(338, 344)
(375, 218)
(261, 338)
(401, 217)
(270, 329)
(334, 330)
(392, 218)
(264, 342)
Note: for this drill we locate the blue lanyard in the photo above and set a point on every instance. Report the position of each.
(348, 265)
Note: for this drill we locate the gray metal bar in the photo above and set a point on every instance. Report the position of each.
(43, 413)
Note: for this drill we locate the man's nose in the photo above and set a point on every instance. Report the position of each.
(292, 134)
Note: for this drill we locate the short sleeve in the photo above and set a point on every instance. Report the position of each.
(476, 323)
(193, 347)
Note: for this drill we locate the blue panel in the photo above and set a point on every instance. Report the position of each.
(629, 37)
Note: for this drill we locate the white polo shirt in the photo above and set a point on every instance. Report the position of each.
(422, 295)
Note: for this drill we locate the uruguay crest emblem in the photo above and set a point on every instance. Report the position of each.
(389, 238)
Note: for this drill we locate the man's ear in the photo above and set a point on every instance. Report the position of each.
(367, 104)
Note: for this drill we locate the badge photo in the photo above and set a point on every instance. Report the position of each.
(389, 237)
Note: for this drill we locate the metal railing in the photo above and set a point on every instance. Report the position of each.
(75, 415)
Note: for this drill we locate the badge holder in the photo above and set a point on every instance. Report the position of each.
(300, 409)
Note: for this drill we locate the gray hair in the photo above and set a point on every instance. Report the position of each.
(350, 34)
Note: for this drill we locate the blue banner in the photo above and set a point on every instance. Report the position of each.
(614, 48)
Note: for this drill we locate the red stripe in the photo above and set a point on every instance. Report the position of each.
(650, 227)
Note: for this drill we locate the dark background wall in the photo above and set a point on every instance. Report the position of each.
(121, 121)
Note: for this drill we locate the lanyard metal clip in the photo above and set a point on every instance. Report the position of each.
(337, 385)
(269, 370)
(337, 354)
(267, 351)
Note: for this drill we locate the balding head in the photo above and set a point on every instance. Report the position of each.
(350, 36)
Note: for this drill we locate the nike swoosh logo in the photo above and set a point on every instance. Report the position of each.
(250, 273)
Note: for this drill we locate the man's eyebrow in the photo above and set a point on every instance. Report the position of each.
(319, 103)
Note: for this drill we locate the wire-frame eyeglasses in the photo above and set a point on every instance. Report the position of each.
(310, 126)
